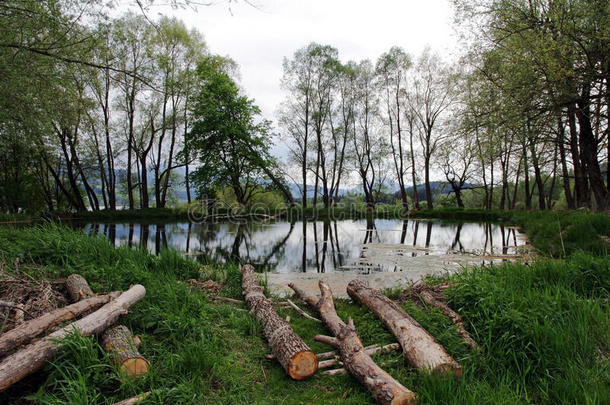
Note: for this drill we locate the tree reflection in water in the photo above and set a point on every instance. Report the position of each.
(313, 246)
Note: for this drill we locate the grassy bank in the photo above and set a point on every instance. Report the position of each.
(544, 328)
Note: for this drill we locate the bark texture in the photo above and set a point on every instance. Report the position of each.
(384, 388)
(451, 314)
(123, 348)
(78, 288)
(34, 356)
(30, 329)
(289, 349)
(420, 348)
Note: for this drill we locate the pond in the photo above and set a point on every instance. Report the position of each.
(363, 246)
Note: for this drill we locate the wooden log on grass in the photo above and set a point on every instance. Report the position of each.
(78, 288)
(429, 299)
(420, 348)
(123, 348)
(354, 357)
(289, 349)
(32, 328)
(35, 355)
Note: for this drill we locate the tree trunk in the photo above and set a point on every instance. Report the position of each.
(78, 288)
(354, 357)
(123, 348)
(419, 347)
(589, 154)
(30, 329)
(289, 349)
(34, 356)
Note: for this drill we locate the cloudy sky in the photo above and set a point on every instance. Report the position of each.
(259, 38)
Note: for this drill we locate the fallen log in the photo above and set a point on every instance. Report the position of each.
(134, 400)
(123, 348)
(419, 347)
(34, 356)
(78, 288)
(32, 328)
(383, 386)
(429, 299)
(288, 348)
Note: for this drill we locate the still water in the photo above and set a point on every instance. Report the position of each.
(364, 246)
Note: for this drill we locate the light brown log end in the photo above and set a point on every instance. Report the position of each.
(303, 365)
(405, 398)
(135, 367)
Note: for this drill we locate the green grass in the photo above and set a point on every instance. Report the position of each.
(544, 328)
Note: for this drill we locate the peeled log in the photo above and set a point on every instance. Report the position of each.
(354, 357)
(34, 356)
(78, 288)
(123, 348)
(451, 314)
(32, 328)
(289, 349)
(419, 347)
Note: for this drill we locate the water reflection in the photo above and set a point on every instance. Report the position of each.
(317, 246)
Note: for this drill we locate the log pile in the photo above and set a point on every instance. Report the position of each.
(98, 313)
(384, 388)
(297, 359)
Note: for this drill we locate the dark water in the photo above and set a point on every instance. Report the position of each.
(283, 247)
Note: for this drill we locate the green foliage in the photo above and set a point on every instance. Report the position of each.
(233, 149)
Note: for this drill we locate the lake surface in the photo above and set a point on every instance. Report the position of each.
(347, 246)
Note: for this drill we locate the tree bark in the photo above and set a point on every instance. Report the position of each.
(420, 348)
(34, 356)
(354, 357)
(30, 329)
(289, 349)
(78, 288)
(123, 348)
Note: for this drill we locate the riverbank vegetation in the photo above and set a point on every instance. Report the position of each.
(542, 327)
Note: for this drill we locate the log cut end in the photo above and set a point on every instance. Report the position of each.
(404, 399)
(303, 365)
(135, 367)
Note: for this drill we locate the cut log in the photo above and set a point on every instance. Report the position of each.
(34, 356)
(419, 347)
(383, 386)
(78, 288)
(134, 400)
(288, 348)
(123, 348)
(429, 299)
(32, 328)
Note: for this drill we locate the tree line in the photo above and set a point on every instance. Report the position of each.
(522, 115)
